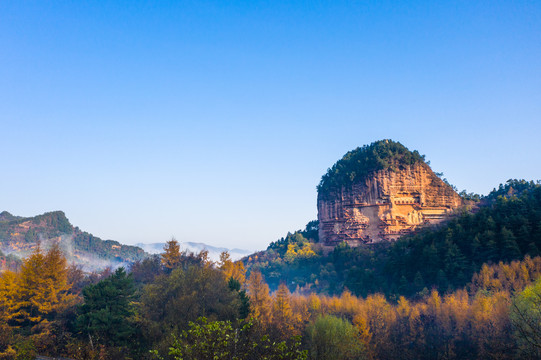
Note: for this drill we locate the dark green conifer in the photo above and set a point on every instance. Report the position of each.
(403, 286)
(418, 281)
(105, 314)
(509, 248)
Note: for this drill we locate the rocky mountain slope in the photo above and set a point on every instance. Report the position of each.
(378, 193)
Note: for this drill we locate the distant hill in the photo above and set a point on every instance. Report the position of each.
(19, 236)
(214, 252)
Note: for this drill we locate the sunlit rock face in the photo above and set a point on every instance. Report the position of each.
(384, 205)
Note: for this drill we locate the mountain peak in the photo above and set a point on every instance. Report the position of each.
(357, 164)
(379, 192)
(6, 216)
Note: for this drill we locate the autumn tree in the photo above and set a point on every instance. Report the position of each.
(232, 269)
(169, 303)
(406, 331)
(42, 289)
(171, 256)
(29, 296)
(282, 316)
(7, 292)
(260, 300)
(145, 271)
(37, 300)
(379, 317)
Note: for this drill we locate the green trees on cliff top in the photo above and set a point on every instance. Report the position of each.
(356, 164)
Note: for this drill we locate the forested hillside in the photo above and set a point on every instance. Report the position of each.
(182, 306)
(504, 226)
(466, 288)
(19, 236)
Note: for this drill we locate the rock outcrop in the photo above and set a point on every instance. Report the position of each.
(383, 203)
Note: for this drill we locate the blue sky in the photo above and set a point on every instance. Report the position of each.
(213, 121)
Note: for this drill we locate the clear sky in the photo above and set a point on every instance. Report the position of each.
(213, 121)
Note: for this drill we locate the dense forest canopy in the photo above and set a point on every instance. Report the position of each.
(182, 306)
(358, 163)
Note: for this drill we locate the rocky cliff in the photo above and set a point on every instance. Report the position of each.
(379, 192)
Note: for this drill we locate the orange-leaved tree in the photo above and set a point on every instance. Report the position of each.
(282, 316)
(36, 298)
(232, 269)
(171, 255)
(260, 300)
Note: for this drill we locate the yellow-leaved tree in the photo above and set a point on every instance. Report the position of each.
(40, 291)
(282, 316)
(260, 300)
(232, 269)
(7, 291)
(37, 300)
(171, 255)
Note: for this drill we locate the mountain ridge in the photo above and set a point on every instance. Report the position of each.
(20, 236)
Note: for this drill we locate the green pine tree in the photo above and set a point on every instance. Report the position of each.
(509, 248)
(107, 308)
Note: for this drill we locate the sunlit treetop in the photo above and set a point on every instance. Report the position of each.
(357, 164)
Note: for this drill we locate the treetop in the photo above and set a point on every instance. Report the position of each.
(356, 164)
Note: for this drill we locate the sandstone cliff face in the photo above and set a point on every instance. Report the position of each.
(384, 206)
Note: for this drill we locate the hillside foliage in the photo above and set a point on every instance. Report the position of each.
(194, 311)
(21, 235)
(358, 163)
(466, 289)
(505, 226)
